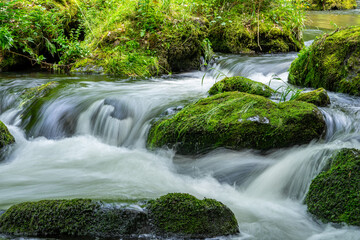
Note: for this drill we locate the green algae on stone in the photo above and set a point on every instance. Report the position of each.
(85, 218)
(334, 195)
(238, 120)
(331, 62)
(5, 136)
(331, 4)
(32, 99)
(78, 217)
(184, 215)
(32, 94)
(319, 97)
(267, 37)
(241, 84)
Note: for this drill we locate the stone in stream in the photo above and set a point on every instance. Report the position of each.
(237, 120)
(5, 136)
(241, 84)
(331, 62)
(185, 216)
(334, 195)
(89, 218)
(319, 97)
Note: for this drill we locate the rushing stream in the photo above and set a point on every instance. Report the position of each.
(88, 141)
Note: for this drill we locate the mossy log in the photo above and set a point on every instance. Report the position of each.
(331, 62)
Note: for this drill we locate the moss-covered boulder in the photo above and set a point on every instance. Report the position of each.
(186, 216)
(319, 97)
(237, 120)
(331, 4)
(249, 37)
(241, 84)
(334, 195)
(5, 136)
(78, 217)
(331, 62)
(171, 215)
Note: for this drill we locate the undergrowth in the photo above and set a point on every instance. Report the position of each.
(142, 37)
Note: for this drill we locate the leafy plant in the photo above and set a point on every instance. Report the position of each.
(285, 92)
(6, 39)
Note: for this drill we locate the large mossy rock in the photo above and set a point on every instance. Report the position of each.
(78, 217)
(5, 136)
(186, 216)
(334, 195)
(331, 62)
(241, 84)
(84, 218)
(319, 97)
(237, 120)
(331, 4)
(238, 37)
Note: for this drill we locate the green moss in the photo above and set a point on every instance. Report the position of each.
(319, 97)
(32, 100)
(246, 36)
(34, 93)
(237, 120)
(185, 215)
(331, 62)
(5, 136)
(331, 4)
(78, 217)
(38, 33)
(177, 215)
(241, 84)
(334, 195)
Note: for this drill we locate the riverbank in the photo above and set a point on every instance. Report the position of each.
(142, 38)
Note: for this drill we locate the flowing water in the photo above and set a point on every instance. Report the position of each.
(88, 141)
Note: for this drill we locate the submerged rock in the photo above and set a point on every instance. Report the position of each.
(331, 4)
(334, 195)
(32, 94)
(5, 136)
(319, 97)
(241, 84)
(331, 62)
(184, 215)
(238, 120)
(88, 218)
(32, 99)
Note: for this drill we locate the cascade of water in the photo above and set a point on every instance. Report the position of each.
(89, 142)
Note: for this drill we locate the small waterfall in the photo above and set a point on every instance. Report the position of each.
(118, 121)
